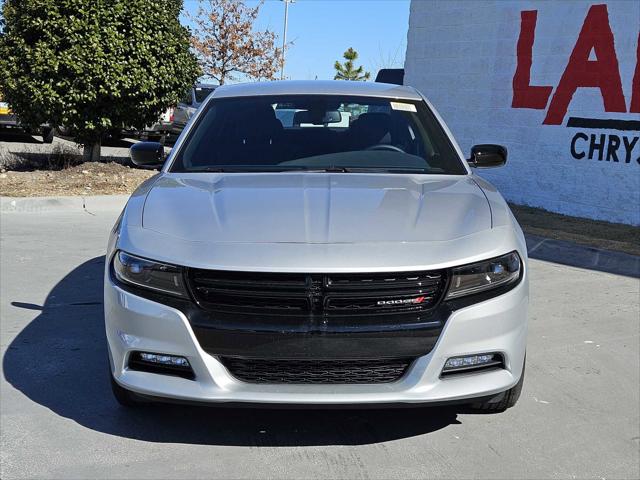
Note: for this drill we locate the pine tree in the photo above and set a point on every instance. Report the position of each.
(347, 71)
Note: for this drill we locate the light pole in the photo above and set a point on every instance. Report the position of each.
(284, 35)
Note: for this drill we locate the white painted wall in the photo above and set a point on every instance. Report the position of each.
(462, 56)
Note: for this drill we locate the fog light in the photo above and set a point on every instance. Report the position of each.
(148, 357)
(164, 359)
(181, 361)
(472, 362)
(160, 363)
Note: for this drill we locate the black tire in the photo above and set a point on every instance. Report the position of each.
(123, 396)
(47, 134)
(504, 400)
(117, 134)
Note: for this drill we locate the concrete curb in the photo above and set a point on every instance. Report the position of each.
(62, 204)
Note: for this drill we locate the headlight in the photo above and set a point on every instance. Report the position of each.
(148, 274)
(481, 276)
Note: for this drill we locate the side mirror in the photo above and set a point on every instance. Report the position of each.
(488, 156)
(147, 154)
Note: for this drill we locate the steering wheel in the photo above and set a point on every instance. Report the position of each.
(385, 146)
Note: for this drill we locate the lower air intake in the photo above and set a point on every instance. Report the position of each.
(316, 371)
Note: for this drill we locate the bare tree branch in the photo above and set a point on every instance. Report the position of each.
(226, 42)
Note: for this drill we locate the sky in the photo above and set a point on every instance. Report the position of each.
(321, 30)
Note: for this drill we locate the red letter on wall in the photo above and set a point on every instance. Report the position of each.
(635, 88)
(582, 72)
(525, 95)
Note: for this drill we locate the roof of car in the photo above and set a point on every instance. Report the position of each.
(317, 87)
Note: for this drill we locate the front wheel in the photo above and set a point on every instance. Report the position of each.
(47, 134)
(504, 400)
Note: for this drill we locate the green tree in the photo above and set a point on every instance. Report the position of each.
(94, 65)
(347, 71)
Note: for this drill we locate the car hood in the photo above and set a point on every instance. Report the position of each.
(315, 208)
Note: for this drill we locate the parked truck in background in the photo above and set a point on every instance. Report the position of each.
(188, 106)
(9, 120)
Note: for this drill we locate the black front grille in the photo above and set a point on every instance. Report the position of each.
(316, 294)
(316, 371)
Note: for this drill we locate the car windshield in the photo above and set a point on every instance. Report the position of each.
(317, 132)
(202, 93)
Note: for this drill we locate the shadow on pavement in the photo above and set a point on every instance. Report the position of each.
(60, 361)
(17, 136)
(118, 142)
(581, 256)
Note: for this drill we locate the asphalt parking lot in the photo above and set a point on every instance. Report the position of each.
(578, 416)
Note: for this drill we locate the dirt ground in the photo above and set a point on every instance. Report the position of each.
(609, 236)
(85, 179)
(114, 178)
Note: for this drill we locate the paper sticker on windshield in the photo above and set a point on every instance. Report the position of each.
(406, 107)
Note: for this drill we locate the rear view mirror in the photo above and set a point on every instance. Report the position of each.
(147, 154)
(310, 117)
(332, 116)
(488, 156)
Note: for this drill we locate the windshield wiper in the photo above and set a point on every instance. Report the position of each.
(331, 169)
(241, 168)
(334, 169)
(302, 168)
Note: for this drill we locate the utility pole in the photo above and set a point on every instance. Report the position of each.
(284, 35)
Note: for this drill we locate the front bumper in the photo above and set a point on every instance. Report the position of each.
(496, 325)
(157, 128)
(8, 120)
